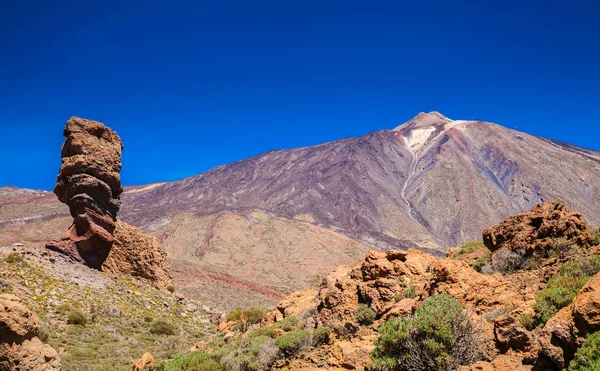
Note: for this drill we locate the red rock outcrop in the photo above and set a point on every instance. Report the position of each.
(89, 183)
(138, 255)
(20, 348)
(533, 231)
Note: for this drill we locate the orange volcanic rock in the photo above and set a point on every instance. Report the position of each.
(90, 184)
(20, 348)
(138, 255)
(533, 231)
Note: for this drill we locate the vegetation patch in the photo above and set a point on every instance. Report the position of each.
(439, 336)
(77, 317)
(292, 342)
(468, 248)
(246, 316)
(587, 357)
(161, 327)
(564, 286)
(365, 315)
(408, 293)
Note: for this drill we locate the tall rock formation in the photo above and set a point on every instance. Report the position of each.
(90, 184)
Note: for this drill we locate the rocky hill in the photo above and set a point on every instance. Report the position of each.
(503, 305)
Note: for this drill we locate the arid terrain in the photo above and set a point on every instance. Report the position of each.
(258, 229)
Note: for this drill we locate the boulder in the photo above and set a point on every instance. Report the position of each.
(586, 307)
(511, 334)
(20, 348)
(533, 231)
(298, 302)
(138, 255)
(145, 361)
(17, 323)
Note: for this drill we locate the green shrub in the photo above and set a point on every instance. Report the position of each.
(161, 327)
(408, 293)
(148, 319)
(264, 331)
(5, 286)
(439, 336)
(365, 315)
(292, 342)
(290, 323)
(250, 354)
(560, 247)
(564, 286)
(76, 317)
(321, 335)
(587, 357)
(246, 316)
(13, 258)
(527, 320)
(196, 361)
(171, 289)
(468, 248)
(596, 234)
(481, 261)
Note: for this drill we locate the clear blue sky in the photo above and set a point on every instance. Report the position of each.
(195, 84)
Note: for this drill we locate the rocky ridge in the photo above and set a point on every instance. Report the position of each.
(396, 283)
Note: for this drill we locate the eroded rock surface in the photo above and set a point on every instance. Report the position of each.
(533, 231)
(20, 348)
(89, 183)
(138, 255)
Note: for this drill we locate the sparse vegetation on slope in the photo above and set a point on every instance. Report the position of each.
(115, 313)
(588, 356)
(564, 286)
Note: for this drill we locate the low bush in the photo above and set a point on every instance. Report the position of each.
(365, 315)
(321, 335)
(161, 327)
(481, 261)
(5, 286)
(587, 357)
(76, 317)
(196, 361)
(468, 248)
(246, 316)
(596, 234)
(292, 342)
(408, 293)
(290, 323)
(264, 331)
(171, 289)
(13, 258)
(250, 354)
(527, 320)
(564, 286)
(148, 319)
(561, 247)
(439, 336)
(505, 262)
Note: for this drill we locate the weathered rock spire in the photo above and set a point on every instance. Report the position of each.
(89, 182)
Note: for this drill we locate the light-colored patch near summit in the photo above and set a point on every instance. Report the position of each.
(418, 137)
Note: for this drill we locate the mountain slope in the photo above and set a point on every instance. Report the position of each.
(430, 183)
(255, 230)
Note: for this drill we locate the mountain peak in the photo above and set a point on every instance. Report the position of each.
(425, 119)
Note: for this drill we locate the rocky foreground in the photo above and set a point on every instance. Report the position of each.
(526, 300)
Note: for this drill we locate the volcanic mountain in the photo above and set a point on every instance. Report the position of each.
(257, 229)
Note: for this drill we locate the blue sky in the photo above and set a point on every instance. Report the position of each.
(190, 85)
